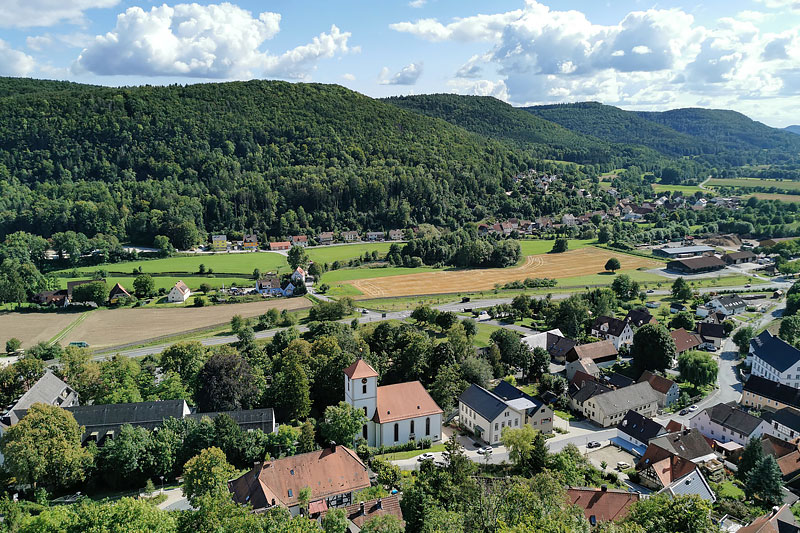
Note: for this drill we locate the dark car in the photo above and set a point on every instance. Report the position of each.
(593, 444)
(684, 412)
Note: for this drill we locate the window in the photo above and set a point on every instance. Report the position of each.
(396, 432)
(365, 410)
(412, 426)
(428, 426)
(364, 388)
(364, 431)
(496, 426)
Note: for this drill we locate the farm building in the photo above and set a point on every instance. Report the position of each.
(737, 258)
(696, 265)
(679, 252)
(117, 292)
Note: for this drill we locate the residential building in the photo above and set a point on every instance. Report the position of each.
(603, 504)
(609, 408)
(666, 388)
(179, 293)
(676, 307)
(728, 305)
(682, 252)
(783, 424)
(638, 429)
(333, 474)
(639, 317)
(543, 339)
(779, 520)
(118, 293)
(250, 242)
(725, 423)
(219, 243)
(737, 258)
(269, 284)
(375, 236)
(599, 352)
(692, 484)
(660, 474)
(684, 340)
(536, 412)
(762, 393)
(299, 240)
(396, 413)
(48, 389)
(396, 235)
(350, 236)
(617, 331)
(57, 298)
(280, 245)
(786, 454)
(326, 237)
(486, 413)
(559, 349)
(670, 457)
(775, 359)
(711, 335)
(568, 220)
(299, 276)
(358, 514)
(585, 365)
(696, 265)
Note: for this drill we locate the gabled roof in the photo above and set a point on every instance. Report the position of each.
(773, 390)
(699, 262)
(638, 317)
(732, 418)
(543, 339)
(561, 346)
(483, 402)
(403, 401)
(613, 326)
(730, 301)
(329, 472)
(689, 444)
(118, 290)
(670, 468)
(640, 427)
(659, 383)
(589, 389)
(747, 254)
(616, 380)
(787, 416)
(620, 400)
(709, 330)
(602, 505)
(693, 483)
(684, 340)
(774, 351)
(597, 351)
(360, 369)
(513, 395)
(780, 521)
(48, 389)
(268, 281)
(181, 286)
(104, 418)
(380, 506)
(587, 366)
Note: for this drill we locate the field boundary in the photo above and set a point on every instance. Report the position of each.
(64, 332)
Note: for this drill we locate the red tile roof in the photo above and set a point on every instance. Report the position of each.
(389, 505)
(660, 384)
(604, 505)
(360, 369)
(684, 340)
(403, 401)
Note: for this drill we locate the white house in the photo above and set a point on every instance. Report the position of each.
(608, 408)
(613, 329)
(639, 429)
(299, 276)
(727, 423)
(728, 305)
(774, 359)
(663, 386)
(179, 293)
(784, 424)
(396, 413)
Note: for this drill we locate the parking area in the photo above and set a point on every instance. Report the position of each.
(611, 455)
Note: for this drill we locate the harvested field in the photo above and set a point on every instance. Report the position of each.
(32, 328)
(575, 263)
(113, 327)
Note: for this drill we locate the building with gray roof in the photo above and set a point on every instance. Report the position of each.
(727, 423)
(486, 413)
(49, 389)
(609, 408)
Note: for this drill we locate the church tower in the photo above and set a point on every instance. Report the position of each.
(361, 391)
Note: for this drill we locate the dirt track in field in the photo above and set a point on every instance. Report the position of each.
(581, 262)
(113, 327)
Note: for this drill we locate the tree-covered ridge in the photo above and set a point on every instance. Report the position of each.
(273, 157)
(14, 86)
(793, 129)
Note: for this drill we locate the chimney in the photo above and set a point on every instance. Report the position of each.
(361, 509)
(380, 503)
(775, 510)
(333, 446)
(603, 488)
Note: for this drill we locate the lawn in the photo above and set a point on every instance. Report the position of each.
(641, 276)
(167, 282)
(688, 189)
(396, 456)
(222, 263)
(786, 185)
(776, 196)
(329, 254)
(485, 331)
(564, 415)
(729, 489)
(536, 247)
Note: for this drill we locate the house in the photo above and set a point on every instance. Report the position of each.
(350, 236)
(728, 305)
(670, 457)
(682, 252)
(617, 331)
(779, 520)
(786, 454)
(326, 237)
(603, 504)
(358, 514)
(179, 293)
(117, 293)
(639, 317)
(250, 242)
(219, 243)
(396, 235)
(783, 424)
(667, 388)
(726, 423)
(57, 298)
(269, 284)
(599, 352)
(775, 359)
(582, 388)
(696, 265)
(684, 340)
(609, 408)
(692, 484)
(543, 339)
(280, 245)
(396, 413)
(299, 240)
(737, 258)
(762, 393)
(659, 474)
(298, 276)
(375, 236)
(676, 307)
(48, 389)
(638, 429)
(711, 317)
(585, 365)
(568, 220)
(559, 348)
(334, 475)
(711, 335)
(486, 413)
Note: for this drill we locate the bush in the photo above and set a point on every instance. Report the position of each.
(200, 301)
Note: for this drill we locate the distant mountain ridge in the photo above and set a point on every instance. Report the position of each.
(793, 129)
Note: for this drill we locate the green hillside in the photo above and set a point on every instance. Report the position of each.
(14, 86)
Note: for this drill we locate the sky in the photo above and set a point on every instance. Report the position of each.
(635, 54)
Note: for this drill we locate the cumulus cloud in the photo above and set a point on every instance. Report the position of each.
(408, 75)
(349, 77)
(32, 13)
(47, 40)
(477, 28)
(781, 4)
(496, 88)
(417, 3)
(13, 62)
(214, 41)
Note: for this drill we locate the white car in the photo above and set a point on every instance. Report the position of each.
(692, 408)
(425, 456)
(486, 450)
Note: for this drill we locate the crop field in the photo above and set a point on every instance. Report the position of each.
(786, 185)
(114, 327)
(221, 263)
(776, 196)
(576, 263)
(32, 328)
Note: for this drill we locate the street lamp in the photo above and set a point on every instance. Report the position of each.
(162, 484)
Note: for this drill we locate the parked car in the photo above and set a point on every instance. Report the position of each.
(593, 444)
(425, 456)
(650, 291)
(692, 408)
(486, 450)
(622, 465)
(684, 412)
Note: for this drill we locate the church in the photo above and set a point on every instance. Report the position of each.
(397, 413)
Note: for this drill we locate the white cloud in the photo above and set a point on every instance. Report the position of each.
(408, 75)
(13, 62)
(32, 13)
(781, 4)
(476, 28)
(417, 3)
(48, 40)
(349, 77)
(480, 88)
(214, 41)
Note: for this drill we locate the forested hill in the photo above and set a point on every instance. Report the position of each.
(793, 129)
(13, 86)
(720, 138)
(267, 156)
(490, 117)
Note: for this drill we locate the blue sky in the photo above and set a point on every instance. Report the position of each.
(737, 54)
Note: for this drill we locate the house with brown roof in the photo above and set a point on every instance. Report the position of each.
(584, 365)
(663, 386)
(179, 293)
(326, 237)
(360, 513)
(696, 265)
(350, 236)
(737, 258)
(396, 235)
(672, 456)
(299, 240)
(117, 292)
(396, 413)
(602, 505)
(333, 474)
(250, 242)
(599, 352)
(779, 520)
(639, 317)
(684, 340)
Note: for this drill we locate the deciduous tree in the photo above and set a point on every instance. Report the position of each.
(341, 423)
(206, 474)
(653, 348)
